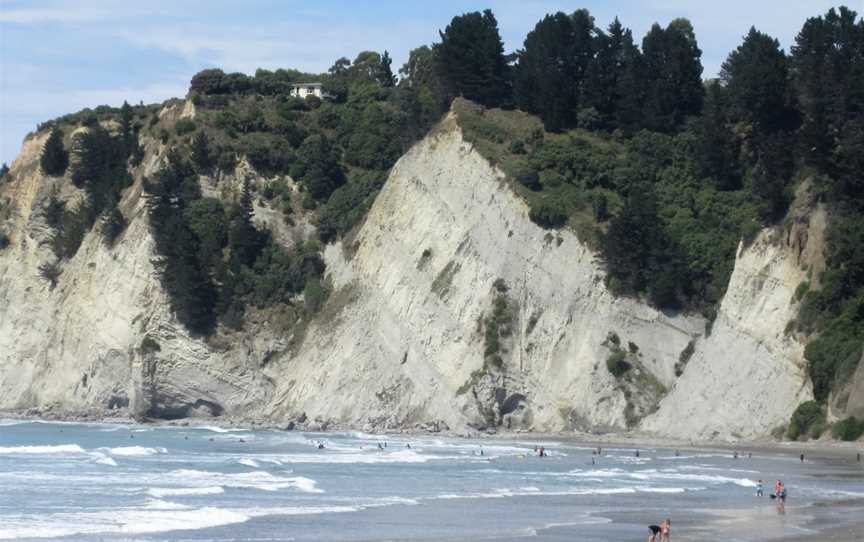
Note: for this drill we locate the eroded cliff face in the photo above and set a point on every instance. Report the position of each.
(446, 263)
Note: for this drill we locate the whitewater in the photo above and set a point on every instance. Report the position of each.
(108, 482)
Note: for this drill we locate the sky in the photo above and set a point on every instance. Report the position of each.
(59, 56)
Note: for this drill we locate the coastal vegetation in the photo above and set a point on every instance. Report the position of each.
(663, 173)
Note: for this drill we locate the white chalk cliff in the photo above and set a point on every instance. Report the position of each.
(400, 342)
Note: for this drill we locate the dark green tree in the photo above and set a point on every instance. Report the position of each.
(639, 255)
(206, 218)
(828, 72)
(671, 73)
(366, 66)
(201, 154)
(190, 288)
(616, 55)
(54, 158)
(422, 91)
(470, 59)
(4, 170)
(127, 133)
(244, 239)
(546, 79)
(755, 75)
(715, 149)
(317, 167)
(772, 173)
(384, 74)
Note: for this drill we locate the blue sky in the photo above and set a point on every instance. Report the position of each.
(59, 56)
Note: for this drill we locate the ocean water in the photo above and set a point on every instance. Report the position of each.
(68, 481)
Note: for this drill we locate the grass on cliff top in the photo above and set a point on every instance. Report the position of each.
(537, 169)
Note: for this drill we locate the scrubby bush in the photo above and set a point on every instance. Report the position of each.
(4, 240)
(314, 295)
(149, 345)
(184, 126)
(617, 363)
(548, 215)
(849, 429)
(806, 416)
(529, 178)
(498, 324)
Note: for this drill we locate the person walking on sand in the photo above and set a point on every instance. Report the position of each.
(759, 488)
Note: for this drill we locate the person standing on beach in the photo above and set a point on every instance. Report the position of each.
(759, 488)
(802, 458)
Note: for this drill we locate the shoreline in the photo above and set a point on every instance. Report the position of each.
(815, 520)
(823, 449)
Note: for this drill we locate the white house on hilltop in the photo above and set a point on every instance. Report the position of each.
(304, 90)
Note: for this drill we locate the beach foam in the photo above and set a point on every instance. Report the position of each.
(136, 521)
(260, 480)
(176, 491)
(132, 451)
(57, 449)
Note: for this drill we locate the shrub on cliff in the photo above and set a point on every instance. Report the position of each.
(849, 429)
(112, 226)
(54, 158)
(617, 363)
(807, 416)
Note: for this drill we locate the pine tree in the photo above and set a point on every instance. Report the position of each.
(671, 73)
(189, 286)
(54, 158)
(384, 73)
(549, 77)
(544, 79)
(127, 135)
(605, 80)
(755, 76)
(201, 154)
(245, 240)
(715, 149)
(4, 170)
(470, 59)
(827, 65)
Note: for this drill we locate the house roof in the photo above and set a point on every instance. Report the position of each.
(295, 85)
